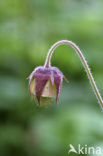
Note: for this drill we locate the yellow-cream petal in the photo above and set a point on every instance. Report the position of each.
(49, 90)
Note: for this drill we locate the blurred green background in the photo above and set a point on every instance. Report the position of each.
(27, 30)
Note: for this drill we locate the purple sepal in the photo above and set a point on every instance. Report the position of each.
(40, 80)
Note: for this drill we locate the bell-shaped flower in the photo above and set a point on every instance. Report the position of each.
(46, 82)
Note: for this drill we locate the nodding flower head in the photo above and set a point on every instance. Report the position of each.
(46, 82)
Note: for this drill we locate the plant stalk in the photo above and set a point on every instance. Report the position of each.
(84, 62)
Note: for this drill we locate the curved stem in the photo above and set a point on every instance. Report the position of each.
(84, 62)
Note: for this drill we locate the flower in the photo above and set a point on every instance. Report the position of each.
(46, 82)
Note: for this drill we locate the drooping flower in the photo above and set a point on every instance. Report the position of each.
(46, 82)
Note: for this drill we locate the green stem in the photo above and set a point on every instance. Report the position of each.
(84, 62)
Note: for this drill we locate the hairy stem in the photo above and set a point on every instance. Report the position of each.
(84, 62)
